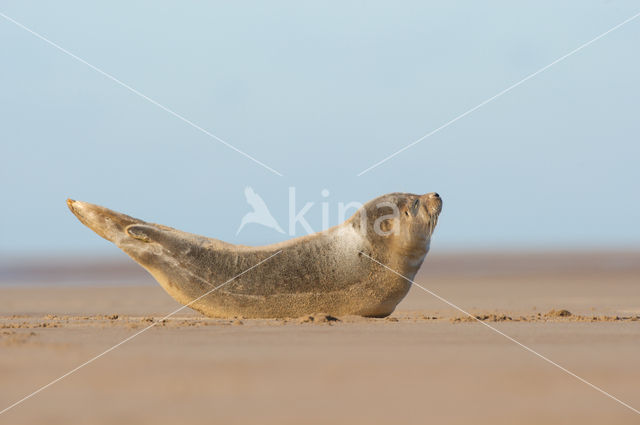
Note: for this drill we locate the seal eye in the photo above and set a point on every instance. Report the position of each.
(415, 207)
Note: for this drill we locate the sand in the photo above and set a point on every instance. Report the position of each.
(426, 363)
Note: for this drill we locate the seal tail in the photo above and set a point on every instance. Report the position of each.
(107, 223)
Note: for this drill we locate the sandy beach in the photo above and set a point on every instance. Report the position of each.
(426, 363)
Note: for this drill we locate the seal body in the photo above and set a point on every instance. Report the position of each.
(326, 272)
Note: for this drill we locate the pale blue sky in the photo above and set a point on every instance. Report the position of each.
(321, 92)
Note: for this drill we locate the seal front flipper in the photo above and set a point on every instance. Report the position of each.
(153, 233)
(186, 249)
(172, 239)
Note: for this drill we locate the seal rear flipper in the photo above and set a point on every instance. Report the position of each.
(147, 243)
(106, 223)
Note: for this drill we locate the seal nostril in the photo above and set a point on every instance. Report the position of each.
(435, 195)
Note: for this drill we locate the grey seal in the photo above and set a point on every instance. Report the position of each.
(326, 272)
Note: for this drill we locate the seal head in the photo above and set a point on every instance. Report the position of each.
(400, 225)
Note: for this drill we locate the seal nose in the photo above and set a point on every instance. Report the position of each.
(433, 201)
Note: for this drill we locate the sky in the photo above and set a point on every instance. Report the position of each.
(320, 92)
